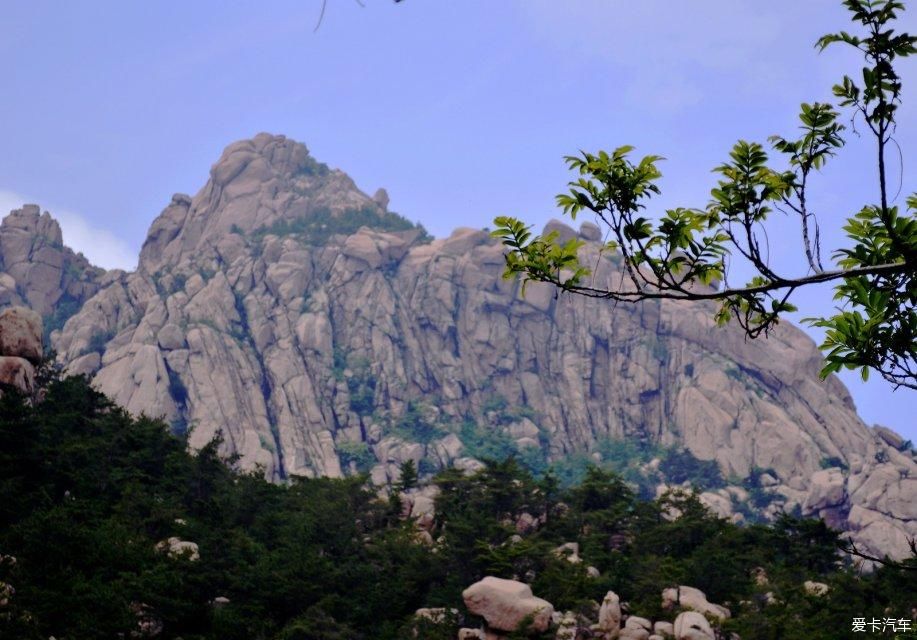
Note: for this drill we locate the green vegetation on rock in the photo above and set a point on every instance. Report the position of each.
(318, 226)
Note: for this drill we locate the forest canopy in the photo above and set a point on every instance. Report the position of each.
(88, 494)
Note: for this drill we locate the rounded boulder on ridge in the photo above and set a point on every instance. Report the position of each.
(505, 604)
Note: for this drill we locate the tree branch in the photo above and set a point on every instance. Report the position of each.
(847, 546)
(686, 294)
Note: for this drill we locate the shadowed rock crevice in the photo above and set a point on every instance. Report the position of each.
(264, 375)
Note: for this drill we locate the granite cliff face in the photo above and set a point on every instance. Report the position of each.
(324, 335)
(37, 270)
(20, 349)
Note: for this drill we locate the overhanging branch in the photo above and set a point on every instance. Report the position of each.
(686, 294)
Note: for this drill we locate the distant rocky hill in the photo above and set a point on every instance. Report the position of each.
(37, 270)
(325, 335)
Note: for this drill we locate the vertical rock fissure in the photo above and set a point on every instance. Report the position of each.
(179, 394)
(661, 378)
(265, 384)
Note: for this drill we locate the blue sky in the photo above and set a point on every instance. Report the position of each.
(461, 110)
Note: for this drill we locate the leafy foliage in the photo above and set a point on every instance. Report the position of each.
(65, 308)
(357, 452)
(680, 465)
(416, 425)
(106, 488)
(98, 341)
(670, 256)
(318, 226)
(87, 493)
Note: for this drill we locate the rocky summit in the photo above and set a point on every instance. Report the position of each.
(37, 270)
(322, 334)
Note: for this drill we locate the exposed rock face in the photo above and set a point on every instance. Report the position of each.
(691, 625)
(815, 588)
(610, 613)
(18, 373)
(636, 628)
(20, 334)
(827, 489)
(255, 184)
(178, 548)
(323, 353)
(38, 271)
(504, 604)
(566, 629)
(436, 615)
(20, 348)
(694, 599)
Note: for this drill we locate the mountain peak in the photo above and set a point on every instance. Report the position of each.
(272, 154)
(30, 221)
(266, 183)
(38, 271)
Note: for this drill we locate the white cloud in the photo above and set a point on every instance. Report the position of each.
(102, 247)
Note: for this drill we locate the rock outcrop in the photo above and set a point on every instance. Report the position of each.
(694, 599)
(325, 335)
(609, 614)
(691, 625)
(38, 271)
(175, 547)
(507, 604)
(20, 348)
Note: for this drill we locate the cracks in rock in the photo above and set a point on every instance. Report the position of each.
(265, 383)
(179, 394)
(664, 366)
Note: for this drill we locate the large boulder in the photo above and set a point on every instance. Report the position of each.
(568, 551)
(691, 625)
(20, 334)
(567, 627)
(694, 599)
(436, 615)
(637, 622)
(564, 232)
(590, 232)
(18, 373)
(610, 613)
(890, 438)
(817, 589)
(37, 270)
(827, 490)
(178, 548)
(505, 604)
(636, 628)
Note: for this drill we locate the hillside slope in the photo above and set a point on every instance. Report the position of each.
(151, 542)
(324, 335)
